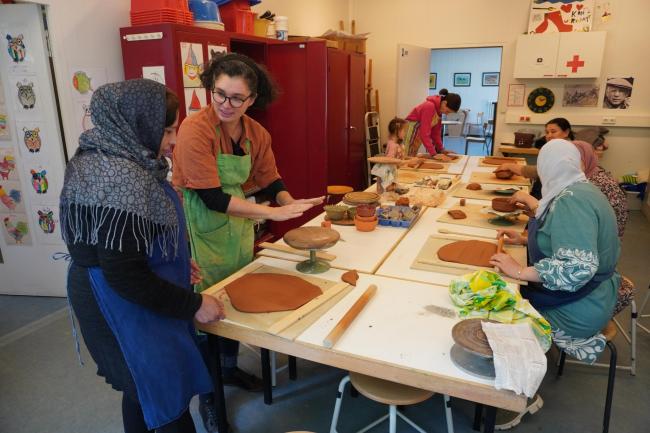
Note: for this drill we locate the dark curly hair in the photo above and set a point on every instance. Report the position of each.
(257, 78)
(171, 107)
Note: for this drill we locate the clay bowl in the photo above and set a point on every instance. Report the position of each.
(503, 174)
(363, 225)
(336, 212)
(502, 204)
(366, 210)
(365, 219)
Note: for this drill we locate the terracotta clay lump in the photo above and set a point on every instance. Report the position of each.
(474, 186)
(475, 253)
(495, 160)
(432, 165)
(503, 174)
(267, 292)
(502, 204)
(457, 214)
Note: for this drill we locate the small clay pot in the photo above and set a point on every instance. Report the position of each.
(503, 174)
(365, 219)
(502, 204)
(365, 226)
(336, 212)
(402, 201)
(326, 224)
(352, 212)
(366, 210)
(462, 202)
(474, 186)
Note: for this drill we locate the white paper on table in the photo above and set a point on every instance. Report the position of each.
(519, 361)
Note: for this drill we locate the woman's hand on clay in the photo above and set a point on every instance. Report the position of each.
(511, 237)
(195, 273)
(211, 310)
(515, 168)
(315, 201)
(506, 264)
(529, 202)
(289, 211)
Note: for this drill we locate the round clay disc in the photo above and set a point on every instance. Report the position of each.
(268, 292)
(311, 238)
(473, 252)
(469, 335)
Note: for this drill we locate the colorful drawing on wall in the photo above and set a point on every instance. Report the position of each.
(46, 223)
(16, 47)
(11, 197)
(462, 79)
(8, 165)
(5, 134)
(618, 93)
(86, 118)
(216, 49)
(32, 139)
(82, 82)
(195, 99)
(552, 16)
(580, 95)
(39, 181)
(433, 80)
(46, 220)
(155, 73)
(26, 94)
(192, 64)
(15, 229)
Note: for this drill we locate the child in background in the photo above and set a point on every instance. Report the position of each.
(387, 173)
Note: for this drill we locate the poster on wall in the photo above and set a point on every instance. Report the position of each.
(580, 95)
(8, 165)
(213, 50)
(516, 95)
(12, 199)
(31, 138)
(618, 93)
(15, 229)
(194, 100)
(155, 73)
(46, 224)
(552, 16)
(191, 64)
(17, 49)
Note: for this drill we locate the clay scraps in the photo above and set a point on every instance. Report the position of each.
(350, 277)
(457, 214)
(474, 186)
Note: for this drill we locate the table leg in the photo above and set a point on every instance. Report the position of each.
(478, 414)
(293, 369)
(490, 419)
(266, 376)
(217, 380)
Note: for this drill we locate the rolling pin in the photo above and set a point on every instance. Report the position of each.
(287, 249)
(349, 317)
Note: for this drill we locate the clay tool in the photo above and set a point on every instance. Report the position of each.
(287, 249)
(300, 313)
(349, 317)
(451, 232)
(441, 311)
(499, 250)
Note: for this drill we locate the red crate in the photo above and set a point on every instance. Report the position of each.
(152, 5)
(161, 16)
(239, 21)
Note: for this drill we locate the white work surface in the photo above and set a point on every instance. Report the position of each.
(363, 251)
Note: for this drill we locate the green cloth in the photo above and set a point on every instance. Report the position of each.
(221, 244)
(484, 294)
(579, 237)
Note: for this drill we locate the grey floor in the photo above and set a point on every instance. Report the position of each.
(43, 388)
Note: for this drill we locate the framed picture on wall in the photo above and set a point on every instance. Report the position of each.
(490, 79)
(433, 80)
(462, 79)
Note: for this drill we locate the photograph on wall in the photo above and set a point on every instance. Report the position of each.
(46, 224)
(30, 138)
(11, 197)
(85, 80)
(580, 95)
(553, 16)
(17, 50)
(155, 73)
(8, 165)
(216, 49)
(15, 229)
(618, 93)
(433, 80)
(462, 79)
(195, 99)
(490, 79)
(191, 64)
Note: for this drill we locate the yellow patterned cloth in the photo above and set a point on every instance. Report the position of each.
(484, 294)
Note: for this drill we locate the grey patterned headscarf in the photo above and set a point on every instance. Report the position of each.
(116, 175)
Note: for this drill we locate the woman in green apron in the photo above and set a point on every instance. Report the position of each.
(220, 155)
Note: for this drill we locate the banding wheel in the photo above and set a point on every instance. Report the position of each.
(312, 239)
(471, 351)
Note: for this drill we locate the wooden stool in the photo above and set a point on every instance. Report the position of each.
(609, 332)
(337, 190)
(390, 393)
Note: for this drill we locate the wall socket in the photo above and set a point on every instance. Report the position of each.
(607, 120)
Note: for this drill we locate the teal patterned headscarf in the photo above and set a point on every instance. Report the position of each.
(116, 176)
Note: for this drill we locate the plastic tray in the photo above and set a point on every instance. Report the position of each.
(395, 223)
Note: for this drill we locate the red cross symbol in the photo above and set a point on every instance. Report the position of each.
(575, 63)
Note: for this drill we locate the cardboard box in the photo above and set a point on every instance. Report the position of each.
(352, 45)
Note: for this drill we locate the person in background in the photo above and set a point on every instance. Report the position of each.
(617, 93)
(572, 251)
(561, 128)
(425, 123)
(221, 154)
(396, 131)
(129, 281)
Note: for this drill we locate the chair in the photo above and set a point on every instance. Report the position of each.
(457, 130)
(390, 393)
(609, 332)
(642, 316)
(485, 138)
(373, 138)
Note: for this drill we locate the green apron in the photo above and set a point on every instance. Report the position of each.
(221, 244)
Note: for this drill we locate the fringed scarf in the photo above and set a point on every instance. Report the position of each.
(116, 176)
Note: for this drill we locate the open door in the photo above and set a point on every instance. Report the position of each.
(413, 65)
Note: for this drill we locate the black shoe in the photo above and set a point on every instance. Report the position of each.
(209, 416)
(243, 380)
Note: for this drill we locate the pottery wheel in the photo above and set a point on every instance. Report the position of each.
(469, 335)
(472, 364)
(312, 239)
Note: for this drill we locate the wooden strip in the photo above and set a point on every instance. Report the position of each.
(349, 317)
(287, 249)
(469, 235)
(310, 306)
(500, 245)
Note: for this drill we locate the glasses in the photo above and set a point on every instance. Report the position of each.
(235, 101)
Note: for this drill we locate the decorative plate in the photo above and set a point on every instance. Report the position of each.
(541, 100)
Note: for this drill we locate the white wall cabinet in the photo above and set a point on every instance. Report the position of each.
(560, 55)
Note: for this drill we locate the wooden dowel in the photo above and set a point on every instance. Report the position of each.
(377, 100)
(341, 25)
(349, 317)
(354, 27)
(369, 85)
(500, 244)
(310, 306)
